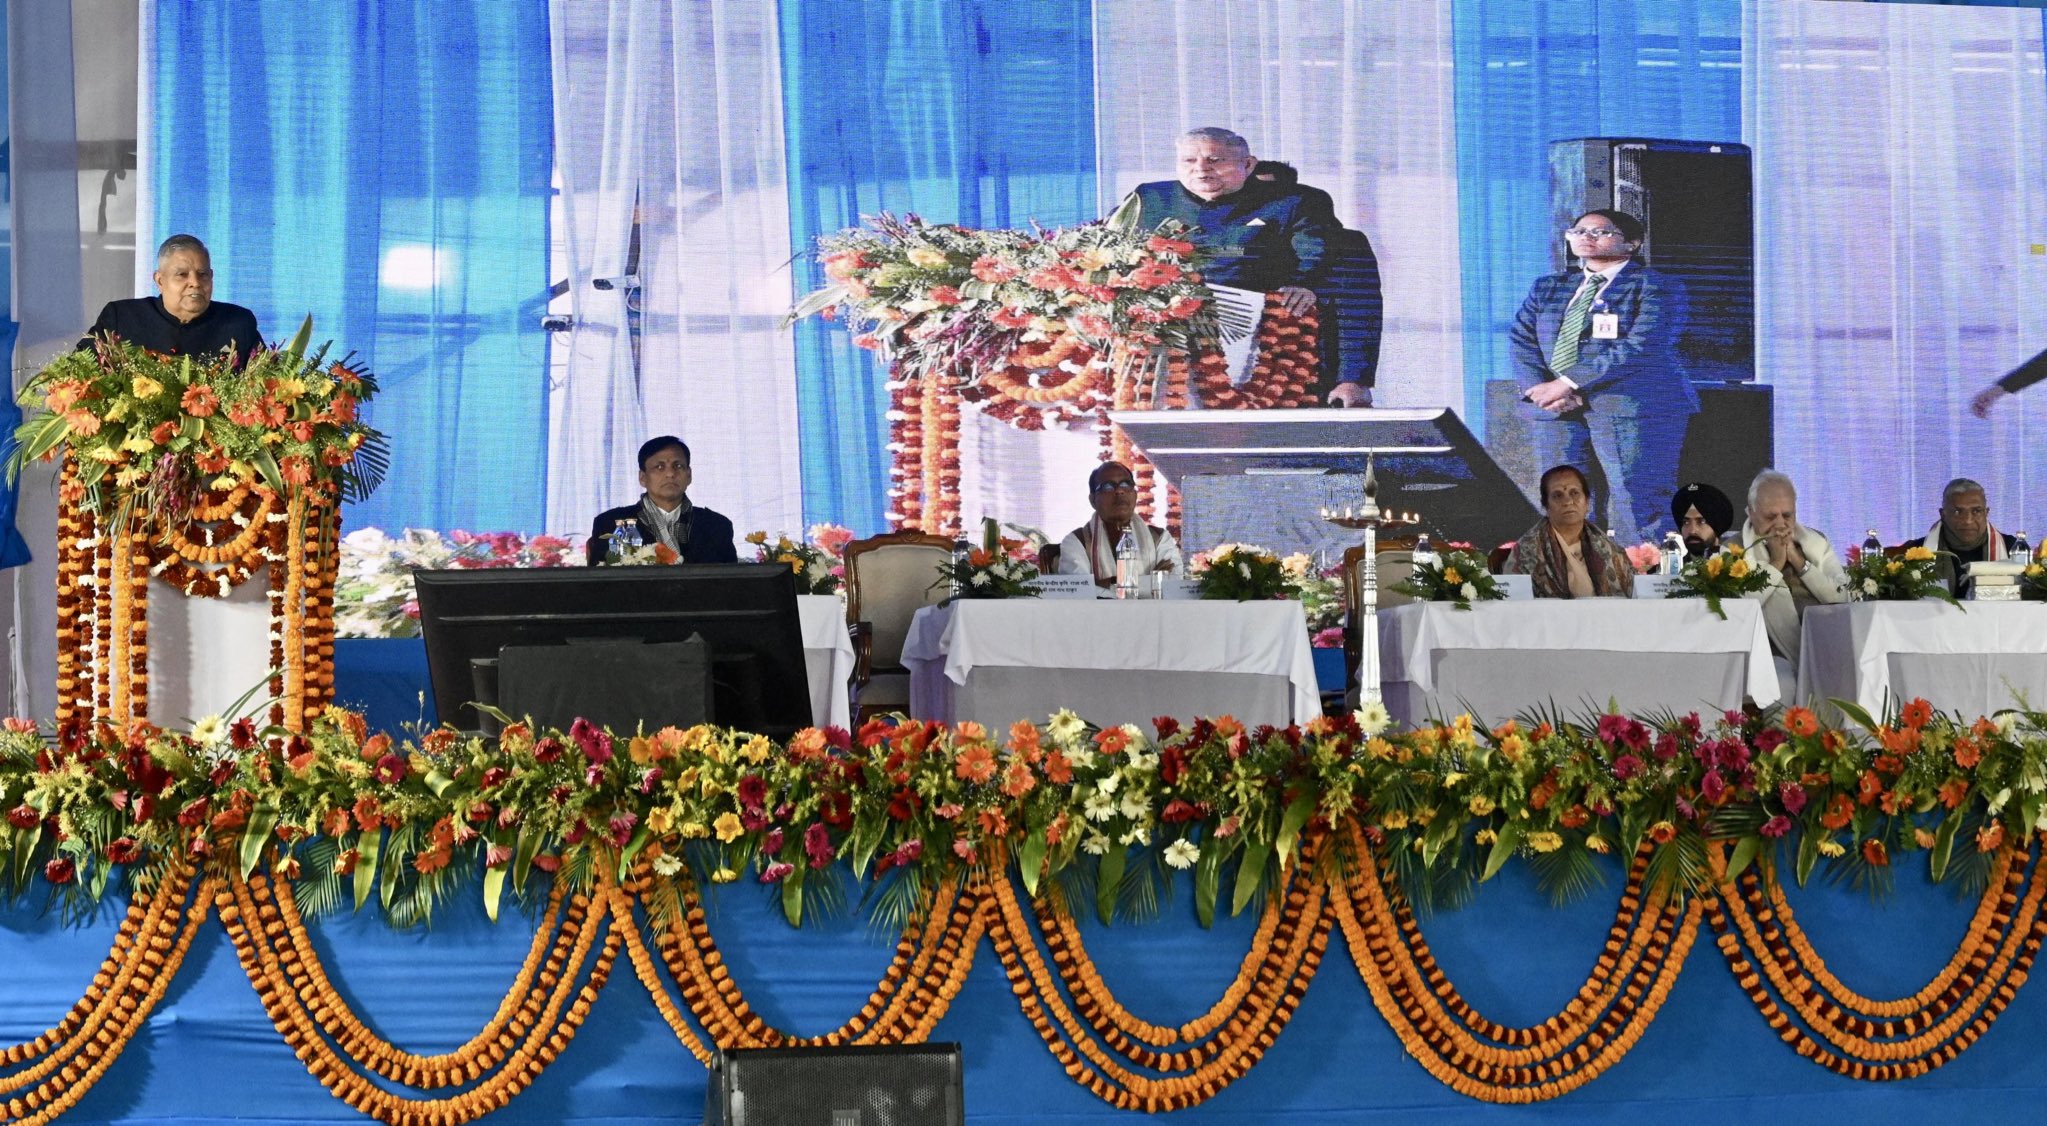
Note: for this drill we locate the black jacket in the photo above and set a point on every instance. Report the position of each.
(710, 535)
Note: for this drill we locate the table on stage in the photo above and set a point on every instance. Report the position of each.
(1499, 659)
(1975, 661)
(1111, 662)
(387, 677)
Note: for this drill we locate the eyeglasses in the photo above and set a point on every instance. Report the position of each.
(1587, 232)
(1114, 487)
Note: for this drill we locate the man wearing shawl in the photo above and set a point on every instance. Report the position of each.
(1964, 535)
(1799, 561)
(1565, 556)
(1091, 548)
(1702, 514)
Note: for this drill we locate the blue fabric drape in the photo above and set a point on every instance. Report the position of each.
(1529, 72)
(384, 167)
(979, 113)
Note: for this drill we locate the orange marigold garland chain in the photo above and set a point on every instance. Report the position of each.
(305, 980)
(906, 447)
(553, 1028)
(1776, 966)
(149, 948)
(1481, 1059)
(74, 610)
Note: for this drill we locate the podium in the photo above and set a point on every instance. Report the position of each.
(1263, 476)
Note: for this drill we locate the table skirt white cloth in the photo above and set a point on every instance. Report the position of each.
(1500, 659)
(827, 658)
(998, 661)
(1882, 654)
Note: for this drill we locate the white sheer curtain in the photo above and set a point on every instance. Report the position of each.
(1900, 205)
(1358, 96)
(670, 116)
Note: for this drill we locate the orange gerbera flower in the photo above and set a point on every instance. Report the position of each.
(976, 763)
(1801, 722)
(1916, 714)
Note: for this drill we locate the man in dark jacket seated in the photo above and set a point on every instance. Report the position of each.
(664, 514)
(184, 320)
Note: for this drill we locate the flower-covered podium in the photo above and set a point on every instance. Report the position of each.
(1046, 328)
(190, 477)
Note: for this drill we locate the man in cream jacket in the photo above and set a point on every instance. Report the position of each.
(1801, 564)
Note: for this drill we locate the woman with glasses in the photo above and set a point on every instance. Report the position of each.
(1112, 493)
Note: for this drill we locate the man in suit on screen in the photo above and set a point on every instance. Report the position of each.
(1265, 236)
(1595, 352)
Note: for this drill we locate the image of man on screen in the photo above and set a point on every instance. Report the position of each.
(1265, 236)
(183, 319)
(1595, 352)
(664, 512)
(1354, 306)
(1091, 548)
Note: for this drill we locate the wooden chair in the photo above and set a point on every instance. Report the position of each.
(1496, 559)
(888, 579)
(1048, 559)
(1396, 564)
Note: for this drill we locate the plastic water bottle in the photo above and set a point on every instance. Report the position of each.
(961, 551)
(1673, 553)
(1424, 555)
(1126, 566)
(2021, 551)
(624, 537)
(1872, 546)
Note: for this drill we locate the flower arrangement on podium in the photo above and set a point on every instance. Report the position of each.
(819, 563)
(1914, 575)
(1458, 577)
(197, 472)
(1000, 567)
(1726, 573)
(1242, 572)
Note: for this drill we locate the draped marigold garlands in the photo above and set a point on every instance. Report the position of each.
(197, 472)
(1038, 329)
(1337, 826)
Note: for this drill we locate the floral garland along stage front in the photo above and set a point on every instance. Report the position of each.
(1041, 328)
(197, 472)
(1339, 824)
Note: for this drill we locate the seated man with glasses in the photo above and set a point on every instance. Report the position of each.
(1091, 549)
(1595, 351)
(1964, 535)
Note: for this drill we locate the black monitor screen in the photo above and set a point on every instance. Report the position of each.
(745, 611)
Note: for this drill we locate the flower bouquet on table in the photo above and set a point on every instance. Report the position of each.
(1875, 577)
(1456, 576)
(1321, 593)
(1002, 567)
(1241, 572)
(2033, 583)
(373, 588)
(820, 564)
(1726, 573)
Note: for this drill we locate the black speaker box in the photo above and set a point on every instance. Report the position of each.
(881, 1085)
(1698, 199)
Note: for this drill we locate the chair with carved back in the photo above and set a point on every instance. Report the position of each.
(1396, 564)
(888, 579)
(1048, 559)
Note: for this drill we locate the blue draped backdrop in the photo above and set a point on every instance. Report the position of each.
(1529, 72)
(979, 113)
(385, 167)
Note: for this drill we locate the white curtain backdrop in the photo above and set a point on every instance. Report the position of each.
(1357, 96)
(1900, 266)
(672, 114)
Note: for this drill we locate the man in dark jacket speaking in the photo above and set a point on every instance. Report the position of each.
(184, 320)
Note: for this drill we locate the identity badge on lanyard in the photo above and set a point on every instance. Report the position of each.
(1606, 324)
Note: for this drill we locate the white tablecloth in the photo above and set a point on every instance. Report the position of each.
(1974, 661)
(998, 661)
(1499, 659)
(827, 657)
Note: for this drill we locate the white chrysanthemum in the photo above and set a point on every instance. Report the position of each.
(1096, 844)
(1081, 758)
(980, 578)
(1182, 854)
(1107, 783)
(1869, 586)
(1244, 569)
(1137, 837)
(1098, 807)
(1134, 806)
(1469, 591)
(1373, 718)
(2007, 724)
(667, 864)
(1065, 726)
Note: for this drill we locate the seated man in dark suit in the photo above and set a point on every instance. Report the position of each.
(1265, 236)
(1595, 351)
(184, 319)
(1964, 535)
(664, 513)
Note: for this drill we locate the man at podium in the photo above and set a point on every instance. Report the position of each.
(183, 319)
(1265, 236)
